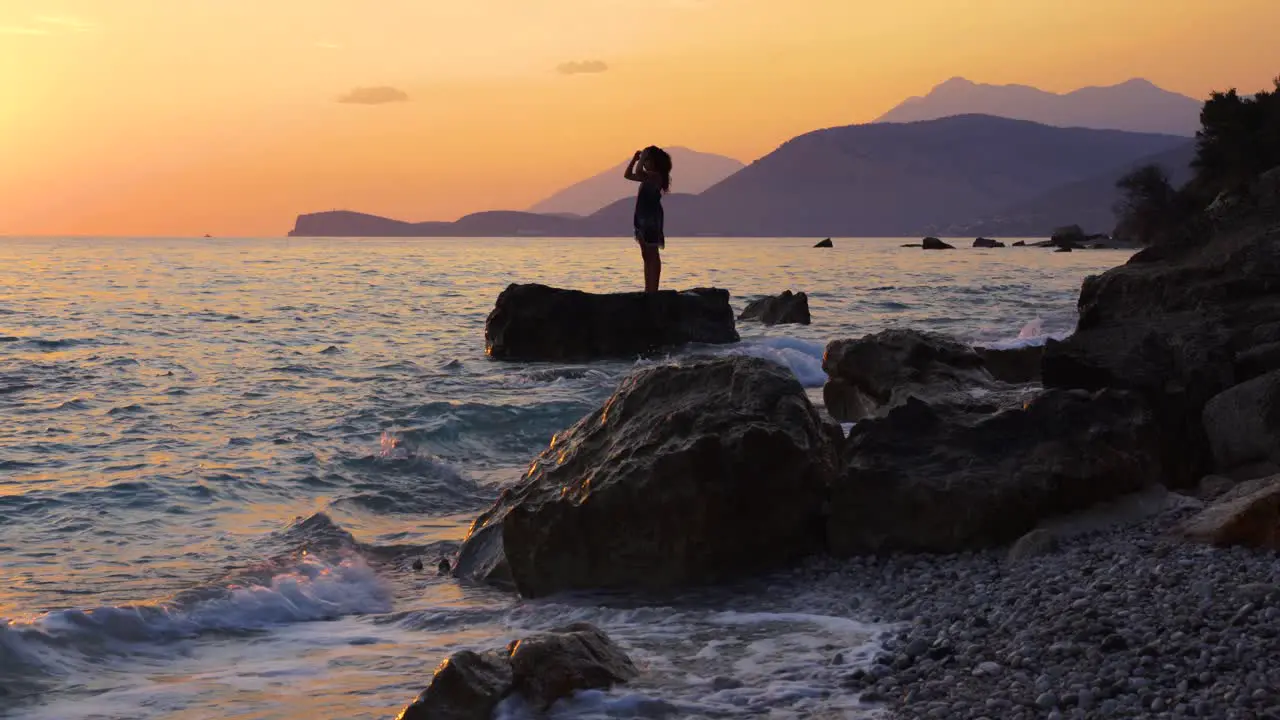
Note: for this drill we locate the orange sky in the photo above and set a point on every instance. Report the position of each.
(181, 117)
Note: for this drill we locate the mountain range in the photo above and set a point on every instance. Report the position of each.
(1135, 105)
(694, 172)
(957, 174)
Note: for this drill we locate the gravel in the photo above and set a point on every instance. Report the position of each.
(1121, 623)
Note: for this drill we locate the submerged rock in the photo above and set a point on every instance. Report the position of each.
(824, 243)
(1176, 323)
(1020, 243)
(1248, 515)
(542, 668)
(943, 479)
(555, 665)
(536, 322)
(933, 243)
(987, 243)
(781, 309)
(870, 375)
(687, 475)
(466, 686)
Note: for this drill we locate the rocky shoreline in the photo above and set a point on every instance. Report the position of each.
(1063, 579)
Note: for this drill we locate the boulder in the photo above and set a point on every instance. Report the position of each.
(466, 686)
(987, 243)
(938, 478)
(1176, 323)
(542, 668)
(824, 243)
(536, 322)
(1013, 365)
(687, 475)
(552, 666)
(781, 309)
(1070, 236)
(1248, 515)
(1243, 423)
(1020, 243)
(933, 243)
(871, 375)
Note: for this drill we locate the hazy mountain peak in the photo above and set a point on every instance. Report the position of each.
(1137, 105)
(692, 172)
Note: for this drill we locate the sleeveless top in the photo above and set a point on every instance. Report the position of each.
(649, 205)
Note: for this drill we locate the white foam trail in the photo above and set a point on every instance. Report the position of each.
(804, 358)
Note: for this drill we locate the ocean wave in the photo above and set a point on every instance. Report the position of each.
(1032, 334)
(301, 587)
(803, 357)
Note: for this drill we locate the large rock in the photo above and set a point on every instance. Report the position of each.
(687, 475)
(781, 309)
(555, 665)
(987, 243)
(871, 375)
(933, 243)
(542, 668)
(1249, 516)
(1013, 365)
(942, 479)
(466, 686)
(536, 322)
(824, 243)
(1243, 423)
(1068, 237)
(1180, 323)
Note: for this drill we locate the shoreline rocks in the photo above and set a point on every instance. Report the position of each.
(687, 475)
(537, 322)
(787, 308)
(873, 374)
(540, 669)
(941, 478)
(1180, 324)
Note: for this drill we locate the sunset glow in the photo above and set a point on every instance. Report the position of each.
(155, 117)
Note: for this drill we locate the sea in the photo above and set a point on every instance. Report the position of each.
(221, 462)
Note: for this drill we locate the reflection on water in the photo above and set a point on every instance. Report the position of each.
(173, 406)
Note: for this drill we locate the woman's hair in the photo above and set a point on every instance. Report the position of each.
(660, 162)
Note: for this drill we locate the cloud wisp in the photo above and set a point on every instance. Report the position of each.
(584, 67)
(374, 96)
(48, 25)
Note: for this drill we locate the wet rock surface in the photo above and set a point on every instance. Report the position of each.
(541, 669)
(687, 475)
(786, 308)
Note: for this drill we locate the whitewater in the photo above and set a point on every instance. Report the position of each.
(223, 462)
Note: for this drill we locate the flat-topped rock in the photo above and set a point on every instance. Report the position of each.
(537, 322)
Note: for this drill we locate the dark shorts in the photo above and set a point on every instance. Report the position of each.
(650, 236)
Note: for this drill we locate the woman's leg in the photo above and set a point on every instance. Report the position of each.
(652, 266)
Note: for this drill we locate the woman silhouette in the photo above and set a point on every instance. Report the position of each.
(651, 168)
